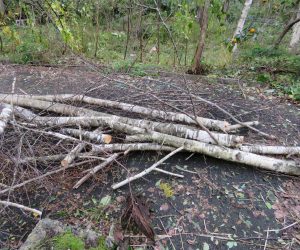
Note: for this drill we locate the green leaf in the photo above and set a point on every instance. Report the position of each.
(205, 246)
(105, 200)
(268, 205)
(231, 244)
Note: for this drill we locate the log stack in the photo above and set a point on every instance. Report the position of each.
(154, 130)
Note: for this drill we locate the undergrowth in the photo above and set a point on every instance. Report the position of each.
(256, 61)
(68, 241)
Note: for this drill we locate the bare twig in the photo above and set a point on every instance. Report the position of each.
(12, 204)
(96, 169)
(146, 171)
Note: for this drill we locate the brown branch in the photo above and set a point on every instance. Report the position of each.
(285, 31)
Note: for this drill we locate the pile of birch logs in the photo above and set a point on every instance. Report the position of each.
(157, 131)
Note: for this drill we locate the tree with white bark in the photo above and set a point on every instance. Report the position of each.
(241, 22)
(295, 40)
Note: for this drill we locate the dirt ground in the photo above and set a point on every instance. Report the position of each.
(218, 205)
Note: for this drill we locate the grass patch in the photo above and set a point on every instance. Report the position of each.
(68, 241)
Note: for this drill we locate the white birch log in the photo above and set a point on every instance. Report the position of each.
(93, 136)
(146, 171)
(154, 113)
(60, 108)
(295, 40)
(271, 150)
(268, 163)
(22, 207)
(173, 129)
(96, 169)
(72, 155)
(186, 132)
(242, 20)
(5, 114)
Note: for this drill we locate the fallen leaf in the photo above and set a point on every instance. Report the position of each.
(138, 213)
(231, 244)
(120, 199)
(205, 246)
(164, 207)
(105, 200)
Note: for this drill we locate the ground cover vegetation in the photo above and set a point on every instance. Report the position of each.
(135, 36)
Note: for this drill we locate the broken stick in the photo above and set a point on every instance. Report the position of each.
(12, 204)
(146, 171)
(93, 136)
(97, 168)
(72, 155)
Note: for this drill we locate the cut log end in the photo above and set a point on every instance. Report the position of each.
(107, 139)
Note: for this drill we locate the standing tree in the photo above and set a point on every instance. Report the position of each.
(197, 67)
(295, 40)
(2, 11)
(241, 23)
(129, 10)
(2, 8)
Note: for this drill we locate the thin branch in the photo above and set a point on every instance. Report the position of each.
(146, 171)
(96, 169)
(12, 204)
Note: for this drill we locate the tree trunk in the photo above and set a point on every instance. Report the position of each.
(242, 21)
(158, 32)
(97, 30)
(197, 68)
(225, 6)
(2, 8)
(128, 29)
(295, 40)
(141, 34)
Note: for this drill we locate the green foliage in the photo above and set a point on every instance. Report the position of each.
(135, 69)
(276, 67)
(68, 241)
(101, 244)
(74, 23)
(167, 189)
